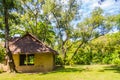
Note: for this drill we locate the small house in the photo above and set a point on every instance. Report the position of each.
(31, 55)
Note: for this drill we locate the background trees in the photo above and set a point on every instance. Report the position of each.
(59, 24)
(61, 15)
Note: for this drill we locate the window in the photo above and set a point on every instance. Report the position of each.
(27, 59)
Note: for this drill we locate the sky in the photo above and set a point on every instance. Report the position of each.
(110, 7)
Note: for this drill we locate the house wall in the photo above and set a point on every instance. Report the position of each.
(43, 62)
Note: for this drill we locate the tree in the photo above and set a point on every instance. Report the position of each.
(116, 20)
(108, 48)
(33, 20)
(91, 28)
(61, 15)
(7, 6)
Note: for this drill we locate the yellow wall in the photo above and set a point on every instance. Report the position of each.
(42, 62)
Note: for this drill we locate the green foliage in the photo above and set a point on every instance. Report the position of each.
(14, 8)
(53, 23)
(58, 60)
(47, 33)
(116, 57)
(103, 50)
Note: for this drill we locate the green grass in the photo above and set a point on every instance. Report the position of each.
(82, 72)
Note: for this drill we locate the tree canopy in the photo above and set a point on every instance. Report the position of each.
(60, 25)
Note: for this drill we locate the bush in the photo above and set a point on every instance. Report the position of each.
(116, 61)
(58, 61)
(82, 58)
(116, 57)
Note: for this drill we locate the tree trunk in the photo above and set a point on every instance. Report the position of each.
(64, 55)
(76, 51)
(10, 61)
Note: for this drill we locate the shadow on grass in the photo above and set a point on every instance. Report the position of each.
(59, 69)
(62, 69)
(115, 68)
(69, 69)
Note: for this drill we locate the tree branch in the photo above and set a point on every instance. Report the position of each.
(77, 50)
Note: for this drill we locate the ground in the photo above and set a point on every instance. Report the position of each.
(76, 72)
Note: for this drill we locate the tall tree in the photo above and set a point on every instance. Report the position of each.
(33, 20)
(61, 14)
(7, 7)
(9, 54)
(91, 28)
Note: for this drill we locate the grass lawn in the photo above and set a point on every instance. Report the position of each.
(78, 72)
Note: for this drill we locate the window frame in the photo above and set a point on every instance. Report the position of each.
(24, 59)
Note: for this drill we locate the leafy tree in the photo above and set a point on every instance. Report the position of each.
(8, 6)
(54, 22)
(33, 20)
(106, 48)
(102, 50)
(61, 15)
(87, 29)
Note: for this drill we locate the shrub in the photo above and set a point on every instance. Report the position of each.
(116, 61)
(58, 60)
(116, 57)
